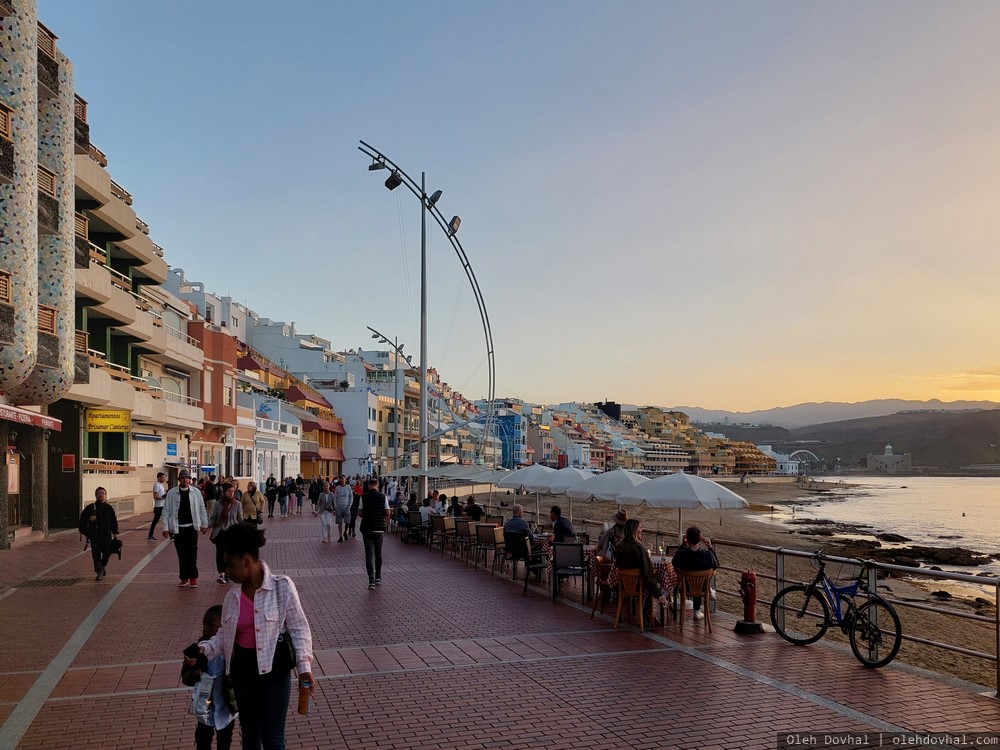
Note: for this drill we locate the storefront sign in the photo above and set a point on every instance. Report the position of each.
(171, 449)
(68, 463)
(108, 420)
(25, 416)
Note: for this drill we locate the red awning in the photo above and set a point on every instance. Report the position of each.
(25, 416)
(249, 363)
(328, 425)
(323, 454)
(295, 394)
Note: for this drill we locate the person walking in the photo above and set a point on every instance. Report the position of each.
(227, 513)
(159, 492)
(356, 504)
(216, 717)
(325, 507)
(183, 517)
(374, 513)
(271, 493)
(264, 635)
(99, 524)
(253, 503)
(343, 497)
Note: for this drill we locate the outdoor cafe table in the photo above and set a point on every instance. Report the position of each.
(663, 569)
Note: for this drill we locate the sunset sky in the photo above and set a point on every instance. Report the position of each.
(726, 205)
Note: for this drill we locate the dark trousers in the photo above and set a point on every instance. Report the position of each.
(354, 519)
(373, 553)
(220, 547)
(263, 702)
(157, 512)
(101, 552)
(270, 507)
(186, 544)
(203, 736)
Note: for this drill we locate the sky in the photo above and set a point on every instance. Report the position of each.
(727, 205)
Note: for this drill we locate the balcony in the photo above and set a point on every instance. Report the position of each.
(106, 384)
(6, 144)
(81, 359)
(48, 205)
(116, 213)
(109, 288)
(151, 266)
(48, 66)
(81, 130)
(93, 184)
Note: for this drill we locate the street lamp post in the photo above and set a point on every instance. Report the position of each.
(428, 204)
(398, 348)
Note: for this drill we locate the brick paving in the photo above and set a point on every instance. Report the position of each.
(451, 656)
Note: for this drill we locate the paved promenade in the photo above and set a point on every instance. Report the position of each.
(452, 658)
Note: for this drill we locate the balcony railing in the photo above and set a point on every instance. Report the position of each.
(46, 181)
(121, 193)
(81, 342)
(46, 319)
(5, 287)
(100, 361)
(97, 155)
(82, 226)
(98, 254)
(141, 226)
(6, 115)
(182, 336)
(106, 466)
(177, 398)
(46, 41)
(158, 250)
(80, 108)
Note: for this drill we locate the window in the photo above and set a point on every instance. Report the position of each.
(227, 395)
(238, 468)
(236, 322)
(6, 115)
(209, 313)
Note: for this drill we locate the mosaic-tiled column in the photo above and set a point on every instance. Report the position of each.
(52, 376)
(19, 200)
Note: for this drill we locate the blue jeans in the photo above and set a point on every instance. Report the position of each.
(373, 553)
(263, 702)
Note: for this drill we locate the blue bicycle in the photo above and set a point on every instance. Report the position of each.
(802, 613)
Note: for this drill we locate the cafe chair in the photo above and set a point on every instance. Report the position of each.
(583, 538)
(498, 550)
(535, 560)
(695, 583)
(568, 562)
(515, 550)
(415, 532)
(602, 584)
(630, 591)
(485, 542)
(463, 536)
(448, 535)
(495, 520)
(436, 531)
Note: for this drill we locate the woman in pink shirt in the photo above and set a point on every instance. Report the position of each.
(263, 609)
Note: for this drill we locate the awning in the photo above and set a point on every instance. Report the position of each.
(328, 425)
(147, 436)
(25, 416)
(249, 363)
(323, 454)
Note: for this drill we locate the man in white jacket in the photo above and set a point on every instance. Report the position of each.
(183, 513)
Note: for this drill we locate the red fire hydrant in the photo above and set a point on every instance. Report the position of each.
(748, 593)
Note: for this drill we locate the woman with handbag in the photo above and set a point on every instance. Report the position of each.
(226, 514)
(253, 504)
(264, 635)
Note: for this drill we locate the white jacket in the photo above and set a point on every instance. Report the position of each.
(171, 505)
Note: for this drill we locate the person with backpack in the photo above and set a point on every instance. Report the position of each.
(99, 524)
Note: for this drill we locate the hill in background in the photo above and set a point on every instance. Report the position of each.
(813, 413)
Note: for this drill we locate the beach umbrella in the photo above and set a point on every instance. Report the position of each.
(517, 480)
(681, 490)
(560, 482)
(607, 486)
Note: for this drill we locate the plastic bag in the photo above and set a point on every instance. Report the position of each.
(201, 699)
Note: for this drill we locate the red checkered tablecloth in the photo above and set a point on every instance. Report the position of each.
(663, 569)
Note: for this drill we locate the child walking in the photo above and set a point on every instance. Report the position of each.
(216, 715)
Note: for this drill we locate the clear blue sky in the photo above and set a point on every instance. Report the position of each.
(728, 205)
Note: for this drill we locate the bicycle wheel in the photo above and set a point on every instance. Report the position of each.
(875, 633)
(800, 615)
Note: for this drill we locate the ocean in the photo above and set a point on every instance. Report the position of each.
(932, 511)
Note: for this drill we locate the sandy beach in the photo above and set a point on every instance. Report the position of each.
(766, 523)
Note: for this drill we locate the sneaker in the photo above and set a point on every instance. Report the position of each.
(378, 581)
(194, 583)
(220, 579)
(371, 586)
(184, 582)
(340, 539)
(99, 576)
(699, 615)
(150, 539)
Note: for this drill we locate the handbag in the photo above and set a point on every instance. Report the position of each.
(260, 518)
(284, 650)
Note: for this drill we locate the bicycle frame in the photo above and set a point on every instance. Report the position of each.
(835, 595)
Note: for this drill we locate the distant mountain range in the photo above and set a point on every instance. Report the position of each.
(802, 415)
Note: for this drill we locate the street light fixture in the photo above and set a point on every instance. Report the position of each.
(428, 204)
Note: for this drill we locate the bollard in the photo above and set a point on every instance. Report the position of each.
(748, 593)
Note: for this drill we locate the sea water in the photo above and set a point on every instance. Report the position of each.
(931, 511)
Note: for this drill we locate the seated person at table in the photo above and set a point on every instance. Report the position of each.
(426, 511)
(696, 553)
(455, 509)
(631, 554)
(411, 504)
(562, 528)
(610, 539)
(517, 524)
(473, 511)
(441, 506)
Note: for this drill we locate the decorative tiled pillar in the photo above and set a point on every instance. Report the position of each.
(19, 200)
(53, 373)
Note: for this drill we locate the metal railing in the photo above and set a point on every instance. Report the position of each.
(182, 336)
(106, 466)
(177, 398)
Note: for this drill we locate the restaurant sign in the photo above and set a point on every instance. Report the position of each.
(108, 420)
(25, 416)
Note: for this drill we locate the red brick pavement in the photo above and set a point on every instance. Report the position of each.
(448, 657)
